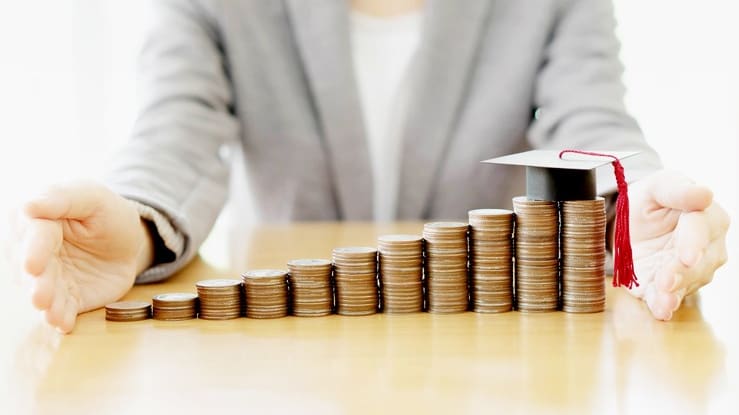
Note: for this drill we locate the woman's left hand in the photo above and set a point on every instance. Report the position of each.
(678, 236)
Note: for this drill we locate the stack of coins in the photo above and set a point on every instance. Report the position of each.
(401, 273)
(491, 260)
(220, 299)
(537, 254)
(355, 273)
(583, 237)
(446, 266)
(175, 306)
(128, 311)
(310, 287)
(266, 293)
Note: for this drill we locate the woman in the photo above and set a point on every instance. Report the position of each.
(353, 111)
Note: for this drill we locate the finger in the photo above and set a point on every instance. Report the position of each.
(692, 237)
(718, 220)
(77, 200)
(70, 316)
(676, 278)
(675, 191)
(44, 289)
(661, 304)
(666, 299)
(55, 314)
(703, 272)
(41, 241)
(673, 276)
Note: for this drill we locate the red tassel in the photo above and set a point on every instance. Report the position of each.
(623, 261)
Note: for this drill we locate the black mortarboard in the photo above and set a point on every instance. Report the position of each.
(550, 177)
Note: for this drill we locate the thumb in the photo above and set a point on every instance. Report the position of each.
(75, 200)
(676, 191)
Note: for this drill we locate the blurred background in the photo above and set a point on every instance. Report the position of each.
(67, 88)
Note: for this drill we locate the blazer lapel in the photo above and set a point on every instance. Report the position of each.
(321, 30)
(440, 78)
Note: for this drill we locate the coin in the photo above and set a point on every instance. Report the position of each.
(310, 287)
(491, 260)
(536, 255)
(266, 293)
(446, 267)
(401, 273)
(355, 277)
(583, 238)
(220, 299)
(175, 306)
(128, 311)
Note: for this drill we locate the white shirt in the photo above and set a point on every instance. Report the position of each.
(382, 49)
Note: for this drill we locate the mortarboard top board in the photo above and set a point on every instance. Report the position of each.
(549, 177)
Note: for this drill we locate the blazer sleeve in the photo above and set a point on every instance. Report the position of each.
(177, 160)
(579, 96)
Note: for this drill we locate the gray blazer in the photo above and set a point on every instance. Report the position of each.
(273, 79)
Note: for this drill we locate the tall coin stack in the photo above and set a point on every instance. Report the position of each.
(310, 287)
(266, 293)
(446, 266)
(491, 260)
(401, 273)
(583, 238)
(537, 255)
(220, 299)
(355, 274)
(175, 306)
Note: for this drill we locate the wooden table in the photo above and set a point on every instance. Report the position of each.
(619, 361)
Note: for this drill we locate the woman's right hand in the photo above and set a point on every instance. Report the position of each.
(82, 246)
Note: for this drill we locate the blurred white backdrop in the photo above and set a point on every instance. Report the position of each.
(67, 88)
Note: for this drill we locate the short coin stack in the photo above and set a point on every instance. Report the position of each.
(128, 311)
(355, 274)
(491, 260)
(175, 306)
(266, 293)
(446, 266)
(583, 256)
(537, 254)
(310, 287)
(401, 273)
(220, 299)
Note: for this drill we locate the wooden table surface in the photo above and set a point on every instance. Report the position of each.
(619, 361)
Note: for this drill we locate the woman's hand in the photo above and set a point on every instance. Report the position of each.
(83, 246)
(678, 235)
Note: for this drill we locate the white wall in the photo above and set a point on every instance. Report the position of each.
(67, 91)
(66, 87)
(682, 63)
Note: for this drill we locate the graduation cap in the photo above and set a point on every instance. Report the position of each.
(552, 176)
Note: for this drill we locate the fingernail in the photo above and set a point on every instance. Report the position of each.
(662, 313)
(659, 313)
